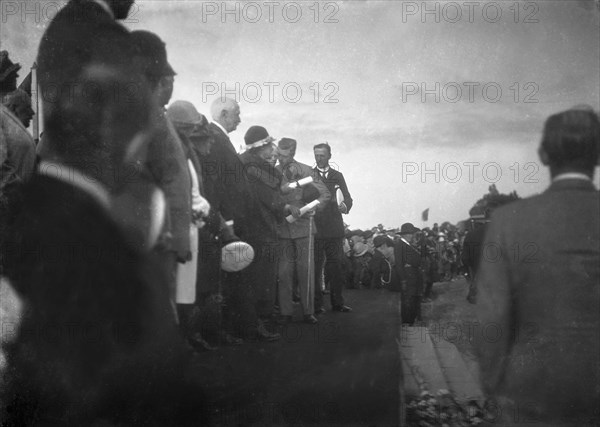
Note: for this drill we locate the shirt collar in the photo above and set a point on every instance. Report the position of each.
(220, 127)
(324, 170)
(73, 177)
(571, 175)
(104, 5)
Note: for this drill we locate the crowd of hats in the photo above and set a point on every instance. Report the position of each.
(444, 232)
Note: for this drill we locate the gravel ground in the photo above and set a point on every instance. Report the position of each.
(451, 317)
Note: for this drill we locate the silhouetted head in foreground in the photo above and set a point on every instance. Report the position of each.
(571, 141)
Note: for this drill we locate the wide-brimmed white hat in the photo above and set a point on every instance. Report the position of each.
(236, 256)
(360, 249)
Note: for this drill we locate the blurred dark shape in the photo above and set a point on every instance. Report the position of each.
(26, 84)
(97, 343)
(8, 73)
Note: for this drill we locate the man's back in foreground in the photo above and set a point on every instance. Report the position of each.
(539, 300)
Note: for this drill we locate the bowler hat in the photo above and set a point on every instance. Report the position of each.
(408, 228)
(7, 67)
(367, 234)
(148, 45)
(381, 239)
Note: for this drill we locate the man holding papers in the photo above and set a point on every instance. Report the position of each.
(330, 231)
(301, 187)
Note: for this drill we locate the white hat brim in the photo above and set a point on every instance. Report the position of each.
(236, 256)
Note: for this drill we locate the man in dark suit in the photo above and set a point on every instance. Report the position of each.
(404, 272)
(224, 169)
(539, 287)
(408, 264)
(97, 344)
(82, 32)
(228, 192)
(330, 233)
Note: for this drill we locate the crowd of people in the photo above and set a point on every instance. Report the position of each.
(140, 234)
(133, 234)
(441, 246)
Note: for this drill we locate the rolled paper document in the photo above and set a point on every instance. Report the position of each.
(303, 210)
(300, 183)
(339, 195)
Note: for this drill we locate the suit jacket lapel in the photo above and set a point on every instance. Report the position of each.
(224, 137)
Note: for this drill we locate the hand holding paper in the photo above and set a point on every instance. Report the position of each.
(299, 184)
(340, 200)
(303, 210)
(343, 208)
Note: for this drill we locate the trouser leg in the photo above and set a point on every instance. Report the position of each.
(263, 277)
(239, 312)
(287, 259)
(305, 274)
(319, 266)
(410, 308)
(333, 254)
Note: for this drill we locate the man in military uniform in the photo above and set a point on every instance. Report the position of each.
(295, 263)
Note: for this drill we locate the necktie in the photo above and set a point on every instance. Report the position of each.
(287, 171)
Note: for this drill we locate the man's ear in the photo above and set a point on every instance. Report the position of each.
(545, 159)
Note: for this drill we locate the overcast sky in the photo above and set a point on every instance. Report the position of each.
(459, 89)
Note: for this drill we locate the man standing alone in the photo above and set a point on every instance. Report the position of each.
(544, 300)
(330, 232)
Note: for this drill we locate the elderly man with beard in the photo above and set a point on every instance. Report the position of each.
(227, 190)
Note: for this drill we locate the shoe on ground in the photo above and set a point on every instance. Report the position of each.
(264, 335)
(199, 343)
(284, 320)
(342, 308)
(229, 339)
(320, 310)
(311, 319)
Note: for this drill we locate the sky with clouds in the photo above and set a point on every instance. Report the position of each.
(425, 104)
